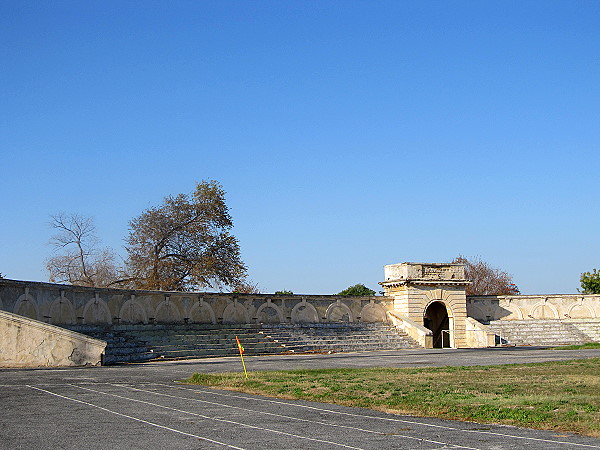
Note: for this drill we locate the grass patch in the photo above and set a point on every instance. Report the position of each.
(562, 395)
(578, 347)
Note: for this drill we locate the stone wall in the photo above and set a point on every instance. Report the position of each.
(523, 307)
(65, 305)
(30, 343)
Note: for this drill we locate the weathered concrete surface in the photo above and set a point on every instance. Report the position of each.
(426, 300)
(140, 406)
(60, 304)
(419, 333)
(29, 343)
(478, 334)
(533, 307)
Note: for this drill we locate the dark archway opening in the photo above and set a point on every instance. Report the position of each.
(436, 319)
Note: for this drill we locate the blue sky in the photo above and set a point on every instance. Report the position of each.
(347, 134)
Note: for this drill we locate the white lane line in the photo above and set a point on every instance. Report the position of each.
(316, 422)
(136, 418)
(389, 419)
(217, 419)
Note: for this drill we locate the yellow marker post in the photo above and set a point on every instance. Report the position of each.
(241, 349)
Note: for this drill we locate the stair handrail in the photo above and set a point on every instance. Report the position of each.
(450, 335)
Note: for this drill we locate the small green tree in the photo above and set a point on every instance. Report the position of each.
(284, 292)
(590, 282)
(357, 290)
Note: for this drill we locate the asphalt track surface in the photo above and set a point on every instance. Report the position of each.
(142, 406)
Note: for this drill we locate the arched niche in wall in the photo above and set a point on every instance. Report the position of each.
(304, 312)
(27, 307)
(580, 311)
(61, 311)
(373, 312)
(514, 312)
(96, 312)
(235, 312)
(133, 311)
(167, 312)
(269, 312)
(339, 312)
(202, 312)
(544, 310)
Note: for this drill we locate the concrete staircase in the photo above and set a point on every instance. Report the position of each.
(138, 343)
(546, 333)
(338, 337)
(122, 346)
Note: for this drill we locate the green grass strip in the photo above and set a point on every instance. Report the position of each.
(562, 396)
(578, 347)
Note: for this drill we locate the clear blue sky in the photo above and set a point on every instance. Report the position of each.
(347, 134)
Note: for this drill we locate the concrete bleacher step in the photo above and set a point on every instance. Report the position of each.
(121, 347)
(339, 337)
(548, 332)
(132, 343)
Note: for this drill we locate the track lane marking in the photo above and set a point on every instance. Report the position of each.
(292, 417)
(136, 418)
(389, 419)
(217, 419)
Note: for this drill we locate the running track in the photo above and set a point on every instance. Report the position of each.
(143, 407)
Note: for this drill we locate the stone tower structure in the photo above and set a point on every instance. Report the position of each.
(431, 295)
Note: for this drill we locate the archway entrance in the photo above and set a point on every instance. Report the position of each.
(436, 319)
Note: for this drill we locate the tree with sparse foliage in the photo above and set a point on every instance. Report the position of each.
(486, 280)
(590, 282)
(357, 290)
(78, 260)
(246, 287)
(185, 243)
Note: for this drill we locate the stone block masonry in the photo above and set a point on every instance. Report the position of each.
(74, 305)
(426, 300)
(533, 307)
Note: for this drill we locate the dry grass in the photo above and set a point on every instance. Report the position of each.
(561, 396)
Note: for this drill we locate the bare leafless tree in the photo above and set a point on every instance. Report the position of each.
(246, 287)
(78, 260)
(486, 280)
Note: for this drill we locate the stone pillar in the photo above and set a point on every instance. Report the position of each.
(415, 287)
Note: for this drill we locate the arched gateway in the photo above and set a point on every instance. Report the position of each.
(436, 319)
(432, 296)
